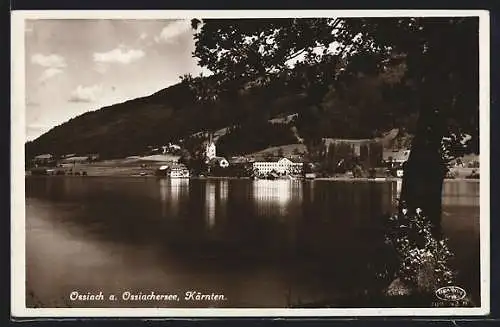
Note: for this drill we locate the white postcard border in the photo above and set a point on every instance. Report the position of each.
(18, 270)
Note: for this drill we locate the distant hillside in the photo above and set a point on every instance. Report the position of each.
(286, 150)
(241, 124)
(169, 115)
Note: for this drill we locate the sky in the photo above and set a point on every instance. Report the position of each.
(74, 66)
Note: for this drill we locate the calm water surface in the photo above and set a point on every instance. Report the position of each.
(259, 243)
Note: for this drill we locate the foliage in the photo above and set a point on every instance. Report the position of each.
(234, 170)
(424, 260)
(419, 263)
(443, 89)
(375, 154)
(359, 75)
(254, 55)
(254, 137)
(243, 52)
(280, 153)
(372, 66)
(193, 154)
(339, 158)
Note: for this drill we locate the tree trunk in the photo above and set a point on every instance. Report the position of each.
(425, 169)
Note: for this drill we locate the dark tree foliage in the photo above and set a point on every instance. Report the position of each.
(431, 63)
(251, 138)
(441, 56)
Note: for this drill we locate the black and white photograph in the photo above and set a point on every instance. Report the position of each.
(250, 163)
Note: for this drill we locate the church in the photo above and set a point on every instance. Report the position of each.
(211, 157)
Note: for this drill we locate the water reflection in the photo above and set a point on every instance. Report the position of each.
(224, 189)
(273, 197)
(455, 193)
(310, 188)
(463, 194)
(249, 239)
(210, 205)
(171, 193)
(216, 202)
(395, 191)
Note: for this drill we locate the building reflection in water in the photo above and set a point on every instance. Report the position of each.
(310, 188)
(171, 191)
(455, 193)
(163, 196)
(276, 196)
(461, 194)
(224, 190)
(399, 185)
(216, 199)
(395, 191)
(210, 198)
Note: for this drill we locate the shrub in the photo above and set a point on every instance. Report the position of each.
(423, 260)
(411, 236)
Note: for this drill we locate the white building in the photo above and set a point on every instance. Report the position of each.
(283, 166)
(396, 158)
(219, 161)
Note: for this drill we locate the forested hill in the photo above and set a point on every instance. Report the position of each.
(172, 114)
(169, 115)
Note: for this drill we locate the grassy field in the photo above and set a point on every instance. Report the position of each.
(287, 149)
(130, 166)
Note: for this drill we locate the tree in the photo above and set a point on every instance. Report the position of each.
(268, 156)
(318, 56)
(445, 93)
(364, 155)
(376, 154)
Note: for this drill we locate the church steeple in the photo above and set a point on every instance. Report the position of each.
(210, 150)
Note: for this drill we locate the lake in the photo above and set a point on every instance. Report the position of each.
(252, 243)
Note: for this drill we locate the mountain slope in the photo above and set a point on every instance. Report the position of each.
(168, 115)
(244, 123)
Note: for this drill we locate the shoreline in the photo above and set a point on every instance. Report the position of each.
(323, 179)
(136, 168)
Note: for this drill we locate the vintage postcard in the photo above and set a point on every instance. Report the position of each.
(250, 163)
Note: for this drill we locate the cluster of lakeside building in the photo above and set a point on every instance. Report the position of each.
(366, 159)
(292, 166)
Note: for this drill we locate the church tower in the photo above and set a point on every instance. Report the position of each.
(210, 150)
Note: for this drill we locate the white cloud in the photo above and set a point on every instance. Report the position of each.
(119, 55)
(101, 68)
(85, 93)
(54, 64)
(49, 61)
(173, 30)
(49, 73)
(143, 36)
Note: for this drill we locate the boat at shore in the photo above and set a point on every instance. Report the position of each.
(179, 173)
(173, 172)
